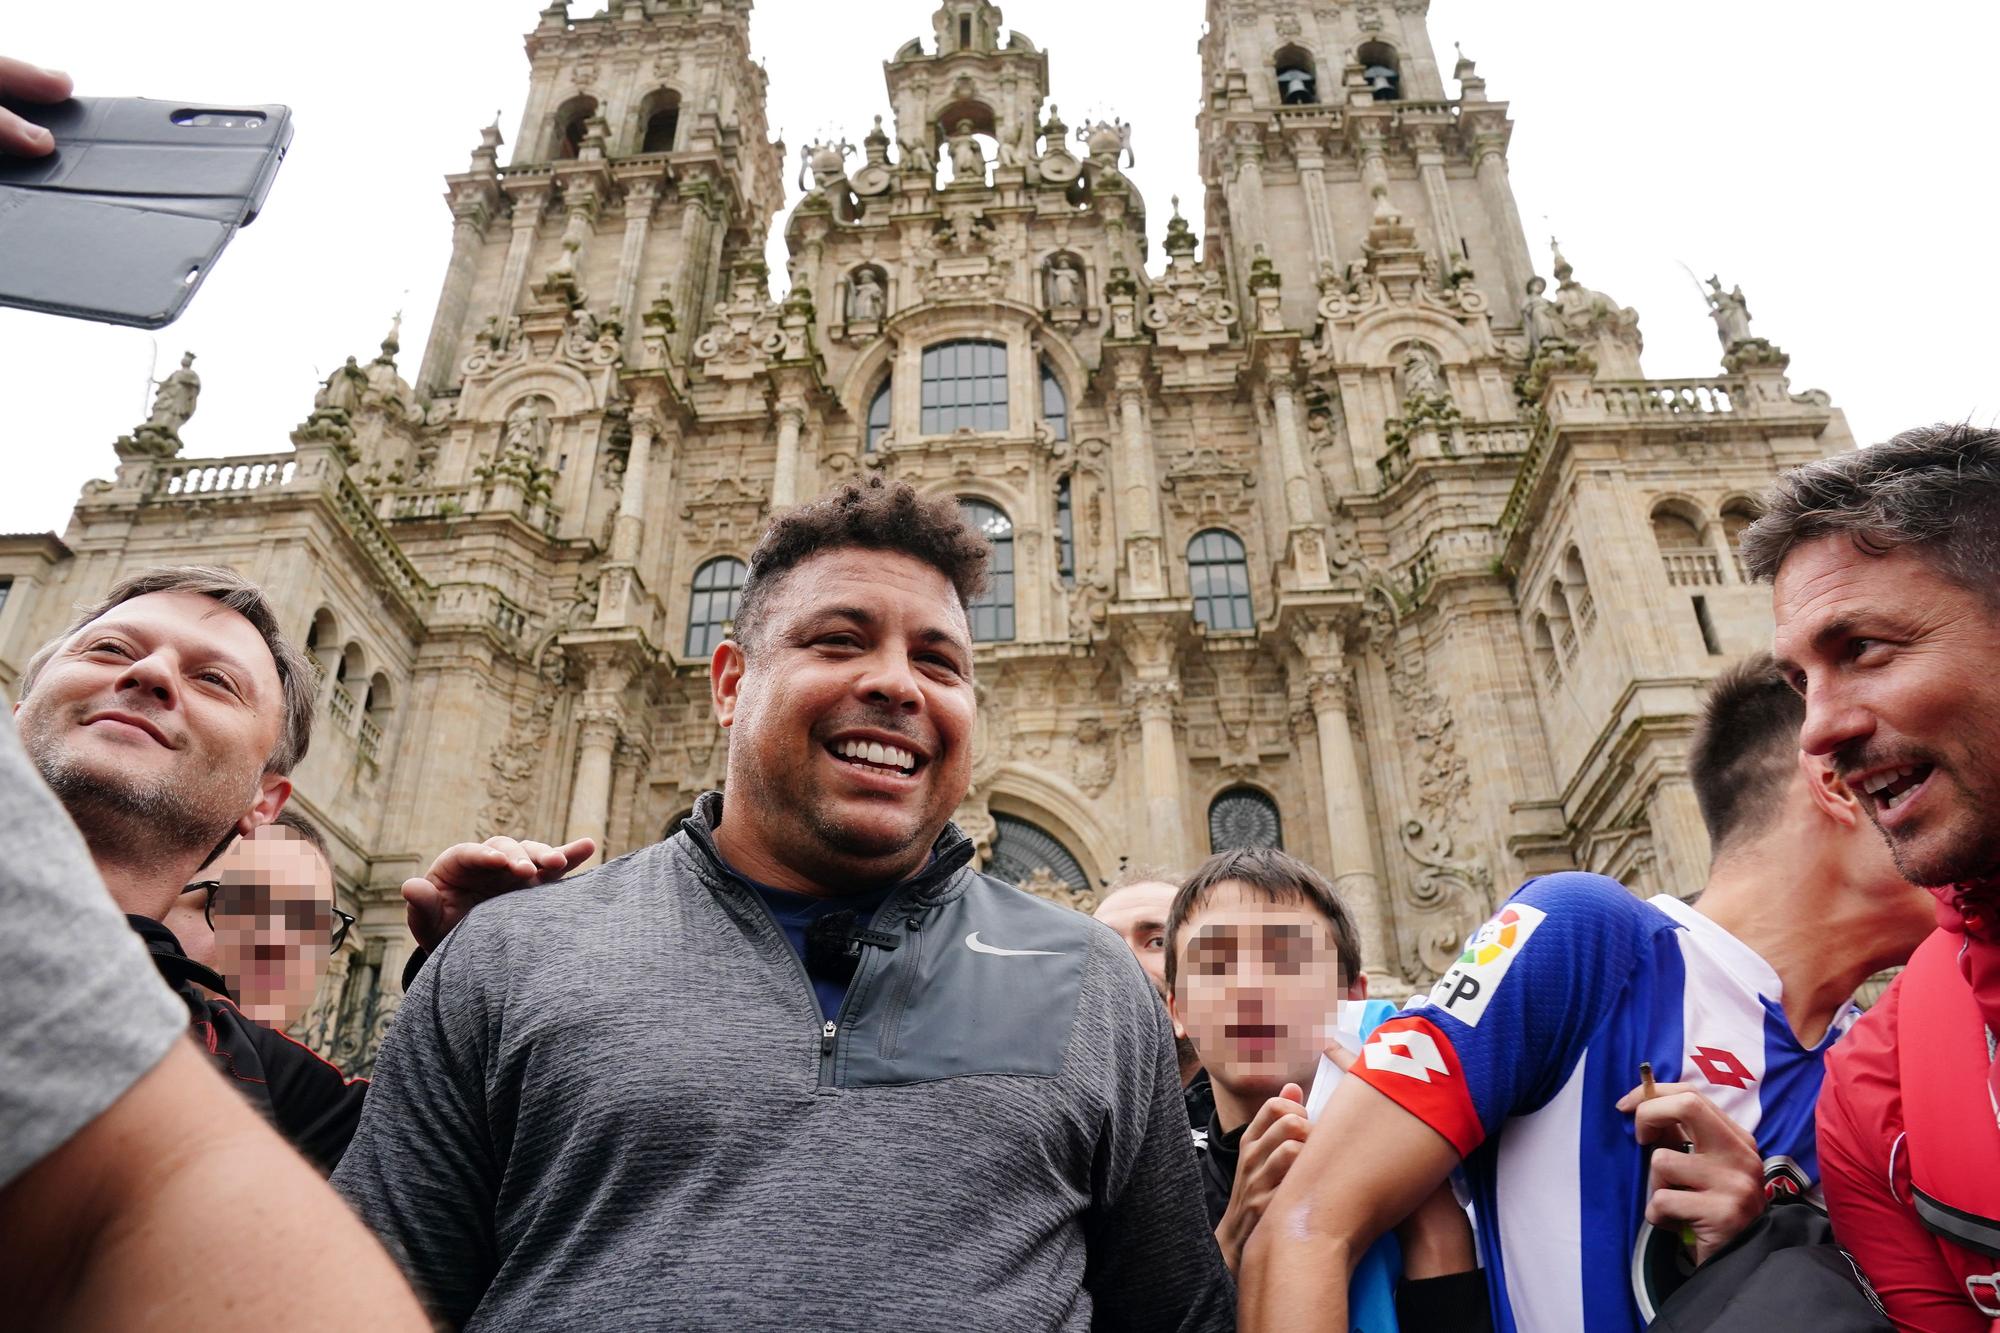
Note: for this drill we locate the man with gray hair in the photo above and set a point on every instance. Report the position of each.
(1886, 572)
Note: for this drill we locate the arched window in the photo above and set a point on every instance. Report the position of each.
(1737, 515)
(1684, 548)
(993, 612)
(659, 118)
(1381, 69)
(1021, 852)
(572, 124)
(1065, 536)
(718, 585)
(1244, 817)
(1298, 79)
(1582, 605)
(965, 387)
(1055, 404)
(1219, 579)
(374, 716)
(320, 636)
(1545, 650)
(878, 417)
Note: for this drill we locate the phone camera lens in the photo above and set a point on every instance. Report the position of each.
(253, 124)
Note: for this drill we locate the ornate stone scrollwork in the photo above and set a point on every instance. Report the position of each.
(1453, 895)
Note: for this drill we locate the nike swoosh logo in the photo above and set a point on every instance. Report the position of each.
(973, 943)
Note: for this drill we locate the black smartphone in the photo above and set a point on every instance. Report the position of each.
(123, 221)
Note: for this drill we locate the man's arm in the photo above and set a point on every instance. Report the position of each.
(179, 1208)
(422, 1169)
(1153, 1262)
(1367, 1165)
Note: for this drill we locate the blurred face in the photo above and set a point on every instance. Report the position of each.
(273, 923)
(1138, 912)
(1258, 987)
(153, 723)
(1900, 669)
(850, 719)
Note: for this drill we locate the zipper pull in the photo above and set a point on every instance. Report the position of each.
(826, 1036)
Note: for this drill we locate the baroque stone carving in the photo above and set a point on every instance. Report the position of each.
(159, 436)
(1094, 757)
(518, 759)
(1189, 310)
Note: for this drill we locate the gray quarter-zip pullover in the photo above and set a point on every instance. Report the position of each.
(613, 1103)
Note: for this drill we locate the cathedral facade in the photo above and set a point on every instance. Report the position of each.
(1335, 527)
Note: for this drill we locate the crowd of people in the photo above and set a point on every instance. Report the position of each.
(801, 1065)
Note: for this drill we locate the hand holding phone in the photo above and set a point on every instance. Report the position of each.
(23, 82)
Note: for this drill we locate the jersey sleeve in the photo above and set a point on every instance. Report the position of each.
(1503, 1027)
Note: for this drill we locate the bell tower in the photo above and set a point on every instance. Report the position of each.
(1317, 117)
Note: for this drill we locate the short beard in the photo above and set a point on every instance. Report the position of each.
(119, 820)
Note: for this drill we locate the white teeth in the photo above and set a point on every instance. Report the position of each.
(1875, 784)
(871, 752)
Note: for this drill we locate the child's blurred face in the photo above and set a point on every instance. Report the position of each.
(1258, 988)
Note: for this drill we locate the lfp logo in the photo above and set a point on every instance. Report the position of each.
(1464, 989)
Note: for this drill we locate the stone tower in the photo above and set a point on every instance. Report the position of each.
(1337, 529)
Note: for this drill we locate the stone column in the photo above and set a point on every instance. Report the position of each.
(1160, 765)
(1291, 454)
(785, 471)
(528, 207)
(439, 365)
(1354, 871)
(1505, 220)
(599, 720)
(639, 197)
(1444, 221)
(1312, 177)
(691, 291)
(1139, 492)
(629, 526)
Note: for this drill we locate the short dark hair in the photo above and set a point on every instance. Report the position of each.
(1935, 488)
(1745, 750)
(1280, 879)
(246, 599)
(307, 830)
(875, 515)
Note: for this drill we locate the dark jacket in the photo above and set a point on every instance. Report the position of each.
(614, 1103)
(308, 1100)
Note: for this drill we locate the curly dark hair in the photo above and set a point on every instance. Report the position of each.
(875, 515)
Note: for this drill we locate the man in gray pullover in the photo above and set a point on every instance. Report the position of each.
(799, 1066)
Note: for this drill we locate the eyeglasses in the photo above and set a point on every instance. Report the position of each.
(248, 900)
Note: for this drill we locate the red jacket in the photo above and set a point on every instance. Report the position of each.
(1906, 1109)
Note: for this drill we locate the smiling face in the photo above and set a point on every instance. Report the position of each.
(1900, 669)
(850, 722)
(154, 723)
(1258, 987)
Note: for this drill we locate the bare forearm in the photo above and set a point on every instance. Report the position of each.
(1437, 1239)
(1293, 1280)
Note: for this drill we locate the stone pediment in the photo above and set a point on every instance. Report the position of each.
(1204, 484)
(726, 514)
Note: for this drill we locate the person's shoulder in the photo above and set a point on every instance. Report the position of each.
(585, 896)
(1578, 903)
(987, 899)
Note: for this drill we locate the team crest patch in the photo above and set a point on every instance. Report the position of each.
(1468, 984)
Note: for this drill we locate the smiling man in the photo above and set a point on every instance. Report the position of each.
(1886, 569)
(799, 1065)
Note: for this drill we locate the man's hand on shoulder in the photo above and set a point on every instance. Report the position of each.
(22, 82)
(1271, 1143)
(469, 873)
(1715, 1188)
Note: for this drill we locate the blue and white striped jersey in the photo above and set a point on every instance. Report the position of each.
(1521, 1051)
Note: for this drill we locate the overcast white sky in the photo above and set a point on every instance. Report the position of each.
(1839, 167)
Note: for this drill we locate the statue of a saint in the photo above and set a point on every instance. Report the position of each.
(917, 158)
(174, 398)
(1065, 285)
(1730, 312)
(867, 300)
(1541, 318)
(968, 159)
(342, 390)
(526, 431)
(575, 232)
(1420, 375)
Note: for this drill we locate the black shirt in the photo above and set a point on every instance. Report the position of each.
(306, 1099)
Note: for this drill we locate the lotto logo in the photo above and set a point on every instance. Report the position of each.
(1721, 1067)
(1467, 986)
(1411, 1053)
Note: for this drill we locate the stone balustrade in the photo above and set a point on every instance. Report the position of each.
(340, 705)
(430, 503)
(196, 477)
(382, 550)
(1692, 569)
(368, 740)
(1669, 398)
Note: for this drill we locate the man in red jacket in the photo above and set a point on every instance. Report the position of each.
(1886, 565)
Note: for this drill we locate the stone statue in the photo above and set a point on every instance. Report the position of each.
(342, 390)
(1065, 285)
(1730, 312)
(968, 159)
(1420, 376)
(867, 301)
(1541, 317)
(583, 332)
(916, 157)
(174, 398)
(527, 431)
(1019, 150)
(575, 233)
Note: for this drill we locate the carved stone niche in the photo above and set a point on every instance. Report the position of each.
(1205, 486)
(1066, 289)
(865, 302)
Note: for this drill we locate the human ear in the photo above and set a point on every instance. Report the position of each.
(1829, 794)
(1357, 989)
(273, 790)
(725, 680)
